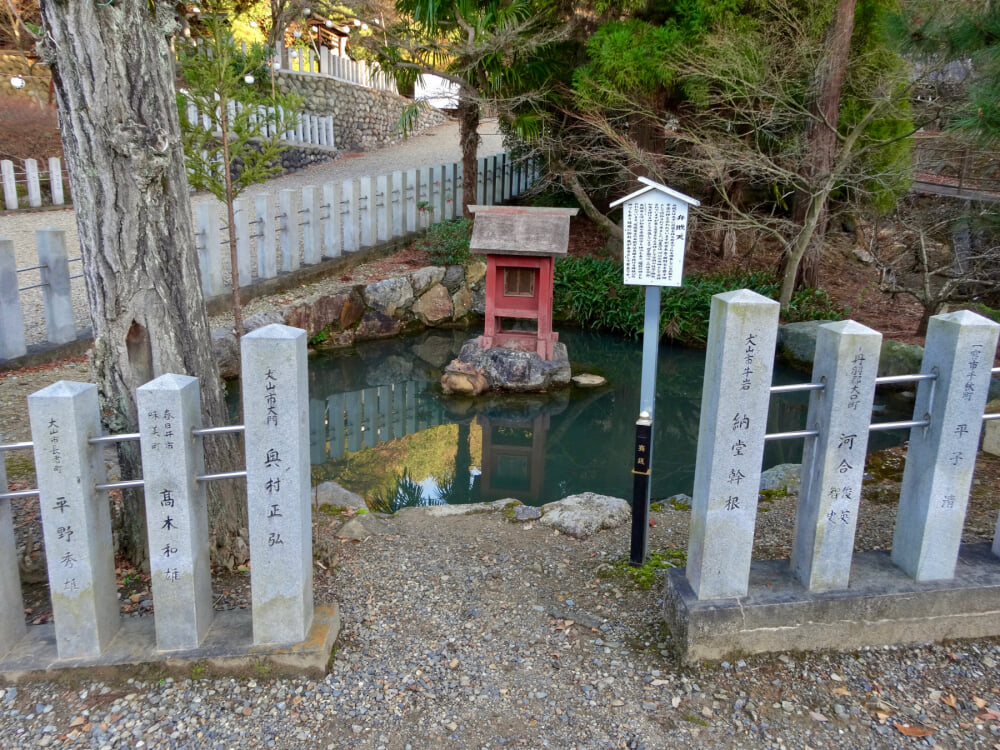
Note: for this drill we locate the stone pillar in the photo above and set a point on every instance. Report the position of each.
(411, 194)
(398, 203)
(426, 196)
(56, 181)
(34, 184)
(367, 210)
(12, 342)
(383, 206)
(349, 212)
(209, 248)
(335, 427)
(734, 404)
(942, 456)
(833, 463)
(312, 238)
(76, 519)
(11, 605)
(57, 294)
(333, 211)
(244, 263)
(460, 209)
(353, 416)
(481, 181)
(176, 510)
(450, 191)
(267, 261)
(440, 192)
(9, 184)
(276, 415)
(369, 417)
(288, 232)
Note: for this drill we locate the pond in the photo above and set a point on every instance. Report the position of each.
(381, 427)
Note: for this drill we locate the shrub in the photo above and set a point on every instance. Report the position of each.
(447, 243)
(590, 292)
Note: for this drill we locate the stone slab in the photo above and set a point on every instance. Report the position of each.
(882, 606)
(228, 646)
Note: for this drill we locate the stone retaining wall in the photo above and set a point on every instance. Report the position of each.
(433, 296)
(363, 119)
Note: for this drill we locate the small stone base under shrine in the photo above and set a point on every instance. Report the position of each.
(885, 607)
(227, 647)
(477, 370)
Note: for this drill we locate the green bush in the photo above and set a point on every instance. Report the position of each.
(590, 292)
(447, 243)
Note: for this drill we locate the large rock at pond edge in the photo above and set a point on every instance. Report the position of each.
(475, 272)
(511, 370)
(423, 278)
(454, 277)
(331, 493)
(786, 477)
(462, 302)
(797, 342)
(341, 311)
(897, 358)
(463, 379)
(388, 296)
(585, 514)
(376, 325)
(434, 306)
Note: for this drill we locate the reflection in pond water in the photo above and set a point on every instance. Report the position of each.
(380, 426)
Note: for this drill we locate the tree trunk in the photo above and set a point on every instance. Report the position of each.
(821, 144)
(113, 71)
(468, 137)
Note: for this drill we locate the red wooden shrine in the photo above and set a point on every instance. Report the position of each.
(521, 245)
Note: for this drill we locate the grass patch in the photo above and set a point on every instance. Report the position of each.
(644, 576)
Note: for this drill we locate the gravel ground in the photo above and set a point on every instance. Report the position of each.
(437, 145)
(473, 632)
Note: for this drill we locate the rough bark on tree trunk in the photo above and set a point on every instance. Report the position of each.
(468, 137)
(822, 137)
(113, 71)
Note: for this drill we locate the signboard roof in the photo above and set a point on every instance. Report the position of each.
(650, 185)
(517, 230)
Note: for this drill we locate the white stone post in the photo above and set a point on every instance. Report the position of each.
(450, 191)
(367, 210)
(398, 202)
(288, 229)
(335, 428)
(353, 412)
(351, 215)
(176, 510)
(34, 184)
(941, 457)
(56, 292)
(399, 409)
(427, 196)
(76, 518)
(385, 413)
(460, 209)
(56, 181)
(12, 342)
(411, 194)
(734, 403)
(383, 206)
(508, 177)
(209, 247)
(276, 415)
(481, 181)
(833, 464)
(12, 625)
(267, 261)
(312, 237)
(440, 193)
(244, 264)
(9, 184)
(369, 419)
(411, 407)
(333, 213)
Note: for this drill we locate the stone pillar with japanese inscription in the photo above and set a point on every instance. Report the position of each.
(941, 457)
(833, 464)
(76, 519)
(734, 404)
(276, 415)
(176, 510)
(12, 625)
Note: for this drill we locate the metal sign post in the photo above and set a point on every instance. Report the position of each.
(655, 224)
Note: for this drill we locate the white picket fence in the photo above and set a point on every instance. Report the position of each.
(275, 234)
(310, 129)
(325, 62)
(30, 176)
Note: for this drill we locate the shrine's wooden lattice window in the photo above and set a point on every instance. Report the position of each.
(519, 282)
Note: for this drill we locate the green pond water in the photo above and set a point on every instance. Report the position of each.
(380, 425)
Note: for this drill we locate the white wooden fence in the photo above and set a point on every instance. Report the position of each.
(31, 178)
(310, 129)
(326, 62)
(275, 234)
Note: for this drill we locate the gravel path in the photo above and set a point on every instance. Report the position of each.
(437, 145)
(472, 632)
